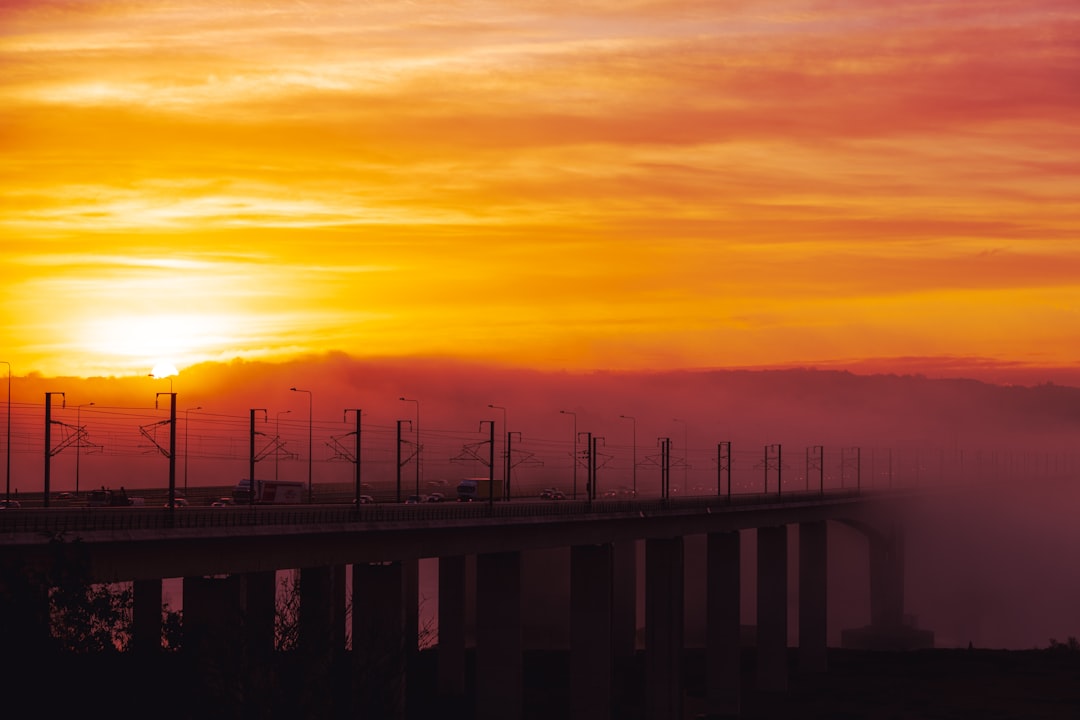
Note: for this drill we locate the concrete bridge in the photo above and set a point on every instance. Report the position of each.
(228, 558)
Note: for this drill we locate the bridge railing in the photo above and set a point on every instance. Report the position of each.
(59, 522)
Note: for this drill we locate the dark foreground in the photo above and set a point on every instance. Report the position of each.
(940, 684)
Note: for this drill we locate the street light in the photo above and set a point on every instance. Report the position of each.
(7, 446)
(277, 438)
(686, 454)
(78, 441)
(506, 464)
(633, 423)
(187, 422)
(310, 493)
(405, 399)
(574, 454)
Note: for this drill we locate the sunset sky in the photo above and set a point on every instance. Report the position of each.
(592, 184)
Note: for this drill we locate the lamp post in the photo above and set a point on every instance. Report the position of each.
(417, 429)
(7, 445)
(78, 441)
(633, 423)
(686, 454)
(310, 493)
(187, 422)
(277, 439)
(506, 459)
(574, 453)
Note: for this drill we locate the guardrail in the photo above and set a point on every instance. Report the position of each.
(54, 522)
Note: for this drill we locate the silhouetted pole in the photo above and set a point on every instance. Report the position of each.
(573, 454)
(7, 445)
(359, 413)
(509, 455)
(723, 465)
(593, 462)
(588, 464)
(399, 463)
(491, 462)
(48, 440)
(633, 457)
(506, 446)
(686, 454)
(417, 429)
(665, 467)
(310, 400)
(277, 438)
(251, 455)
(172, 444)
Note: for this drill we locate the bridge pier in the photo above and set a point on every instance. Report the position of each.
(379, 639)
(772, 626)
(591, 646)
(213, 627)
(664, 616)
(146, 616)
(260, 607)
(451, 652)
(888, 629)
(813, 597)
(322, 612)
(498, 636)
(723, 636)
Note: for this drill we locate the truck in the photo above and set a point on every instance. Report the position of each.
(269, 492)
(479, 488)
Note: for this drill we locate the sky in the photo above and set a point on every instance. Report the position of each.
(632, 185)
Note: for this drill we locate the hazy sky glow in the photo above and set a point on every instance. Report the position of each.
(544, 184)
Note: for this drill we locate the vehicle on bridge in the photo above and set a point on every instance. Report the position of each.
(269, 492)
(479, 489)
(104, 497)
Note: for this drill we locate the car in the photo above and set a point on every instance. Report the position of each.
(10, 505)
(64, 496)
(436, 497)
(222, 502)
(558, 495)
(367, 500)
(413, 500)
(546, 493)
(177, 502)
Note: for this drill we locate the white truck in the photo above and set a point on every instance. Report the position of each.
(269, 492)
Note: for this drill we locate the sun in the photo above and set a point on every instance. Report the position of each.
(164, 369)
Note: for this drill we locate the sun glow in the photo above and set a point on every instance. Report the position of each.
(164, 369)
(144, 339)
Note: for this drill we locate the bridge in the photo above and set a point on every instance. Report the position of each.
(228, 558)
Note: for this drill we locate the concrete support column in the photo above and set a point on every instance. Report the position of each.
(146, 616)
(663, 628)
(624, 601)
(260, 607)
(772, 672)
(887, 581)
(451, 653)
(24, 615)
(813, 597)
(723, 653)
(213, 618)
(322, 611)
(410, 576)
(591, 571)
(378, 632)
(498, 636)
